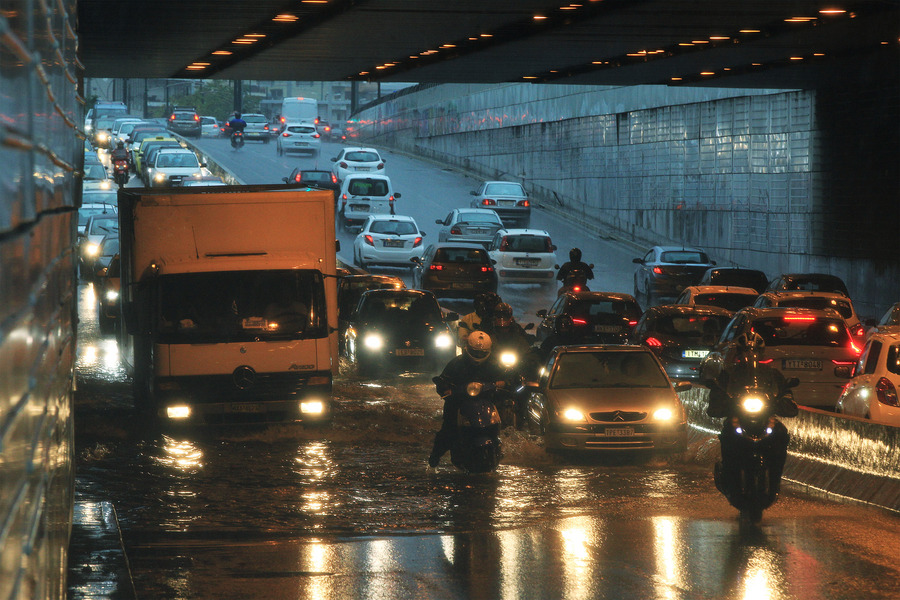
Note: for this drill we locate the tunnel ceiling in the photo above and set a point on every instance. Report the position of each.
(730, 43)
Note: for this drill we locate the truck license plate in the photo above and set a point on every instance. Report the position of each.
(619, 431)
(409, 352)
(245, 407)
(802, 364)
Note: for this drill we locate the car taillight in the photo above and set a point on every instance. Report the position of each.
(343, 165)
(316, 135)
(576, 288)
(767, 361)
(333, 178)
(172, 118)
(197, 118)
(657, 270)
(859, 330)
(886, 392)
(417, 242)
(380, 166)
(282, 119)
(299, 177)
(524, 203)
(800, 319)
(487, 269)
(856, 349)
(653, 342)
(632, 323)
(488, 202)
(436, 268)
(391, 199)
(455, 231)
(841, 363)
(369, 240)
(579, 321)
(285, 134)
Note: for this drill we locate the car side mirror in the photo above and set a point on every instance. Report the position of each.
(712, 262)
(541, 313)
(843, 372)
(591, 265)
(438, 222)
(334, 159)
(473, 193)
(422, 233)
(683, 386)
(637, 261)
(553, 248)
(284, 179)
(451, 316)
(396, 194)
(415, 259)
(528, 327)
(493, 262)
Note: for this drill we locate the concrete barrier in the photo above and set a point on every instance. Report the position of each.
(847, 457)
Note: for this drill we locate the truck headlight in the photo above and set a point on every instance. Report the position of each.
(312, 407)
(373, 341)
(178, 411)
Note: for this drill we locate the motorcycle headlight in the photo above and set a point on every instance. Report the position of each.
(752, 404)
(443, 340)
(508, 359)
(474, 388)
(92, 249)
(573, 415)
(112, 295)
(105, 184)
(663, 414)
(373, 341)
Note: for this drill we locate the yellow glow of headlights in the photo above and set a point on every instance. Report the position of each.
(443, 341)
(508, 359)
(112, 294)
(373, 342)
(573, 414)
(752, 404)
(663, 414)
(312, 407)
(92, 249)
(178, 412)
(160, 177)
(105, 185)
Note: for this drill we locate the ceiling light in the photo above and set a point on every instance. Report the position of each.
(449, 46)
(486, 35)
(676, 79)
(749, 31)
(707, 73)
(285, 18)
(314, 1)
(719, 38)
(539, 17)
(796, 58)
(255, 35)
(222, 53)
(799, 19)
(832, 11)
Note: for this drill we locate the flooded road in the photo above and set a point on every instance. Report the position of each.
(351, 511)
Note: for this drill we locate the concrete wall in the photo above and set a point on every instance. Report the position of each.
(783, 181)
(38, 152)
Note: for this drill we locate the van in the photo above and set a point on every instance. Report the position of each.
(365, 194)
(299, 110)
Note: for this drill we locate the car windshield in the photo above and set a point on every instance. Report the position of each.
(525, 243)
(683, 257)
(94, 172)
(504, 189)
(393, 227)
(472, 217)
(110, 247)
(821, 283)
(301, 129)
(361, 156)
(85, 213)
(255, 119)
(585, 308)
(180, 160)
(842, 306)
(351, 290)
(802, 330)
(103, 226)
(241, 306)
(399, 309)
(367, 187)
(701, 328)
(738, 278)
(461, 256)
(891, 317)
(732, 302)
(607, 369)
(316, 177)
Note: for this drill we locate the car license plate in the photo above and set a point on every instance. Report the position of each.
(409, 352)
(301, 144)
(359, 207)
(459, 286)
(528, 262)
(606, 329)
(245, 407)
(479, 231)
(694, 353)
(393, 243)
(363, 169)
(619, 431)
(802, 364)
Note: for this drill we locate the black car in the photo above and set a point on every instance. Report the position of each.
(399, 329)
(108, 288)
(735, 276)
(681, 336)
(455, 270)
(588, 318)
(808, 282)
(185, 121)
(664, 271)
(351, 287)
(325, 180)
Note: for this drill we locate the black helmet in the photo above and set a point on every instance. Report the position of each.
(503, 315)
(120, 144)
(237, 115)
(575, 255)
(485, 303)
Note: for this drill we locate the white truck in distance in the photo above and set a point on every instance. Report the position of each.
(229, 302)
(299, 110)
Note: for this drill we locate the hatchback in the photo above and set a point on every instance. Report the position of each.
(298, 137)
(589, 318)
(664, 271)
(872, 391)
(321, 179)
(819, 300)
(736, 276)
(453, 270)
(508, 199)
(728, 297)
(391, 240)
(811, 282)
(523, 256)
(805, 343)
(257, 128)
(363, 195)
(184, 121)
(356, 160)
(607, 398)
(351, 287)
(473, 225)
(681, 336)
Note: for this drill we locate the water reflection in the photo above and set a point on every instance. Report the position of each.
(581, 544)
(181, 455)
(668, 541)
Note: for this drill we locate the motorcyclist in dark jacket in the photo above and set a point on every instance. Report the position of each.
(120, 153)
(472, 365)
(237, 123)
(573, 265)
(477, 320)
(505, 332)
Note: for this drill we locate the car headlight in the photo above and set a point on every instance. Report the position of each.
(105, 184)
(508, 359)
(92, 249)
(312, 407)
(103, 137)
(663, 414)
(178, 411)
(111, 295)
(752, 404)
(373, 341)
(160, 177)
(573, 415)
(443, 340)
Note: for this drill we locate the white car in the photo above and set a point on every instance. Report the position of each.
(298, 137)
(470, 225)
(257, 128)
(209, 126)
(818, 300)
(363, 195)
(872, 392)
(523, 256)
(391, 240)
(171, 166)
(357, 160)
(729, 297)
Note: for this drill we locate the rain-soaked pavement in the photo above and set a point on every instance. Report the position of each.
(350, 511)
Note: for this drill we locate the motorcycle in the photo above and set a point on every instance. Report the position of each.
(575, 281)
(476, 447)
(521, 365)
(237, 139)
(753, 478)
(120, 172)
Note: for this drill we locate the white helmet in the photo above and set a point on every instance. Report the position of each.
(478, 346)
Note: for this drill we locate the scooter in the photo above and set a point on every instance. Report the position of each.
(575, 281)
(237, 140)
(521, 367)
(120, 172)
(476, 447)
(753, 478)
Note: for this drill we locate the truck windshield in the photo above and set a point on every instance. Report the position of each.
(234, 306)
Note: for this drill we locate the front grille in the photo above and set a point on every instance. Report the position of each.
(618, 416)
(265, 386)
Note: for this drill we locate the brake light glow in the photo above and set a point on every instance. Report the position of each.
(196, 117)
(266, 127)
(488, 202)
(455, 231)
(333, 178)
(417, 242)
(369, 240)
(298, 177)
(576, 288)
(172, 118)
(436, 268)
(767, 361)
(843, 363)
(801, 319)
(524, 203)
(856, 349)
(316, 135)
(285, 134)
(657, 270)
(487, 269)
(632, 323)
(653, 342)
(579, 321)
(886, 392)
